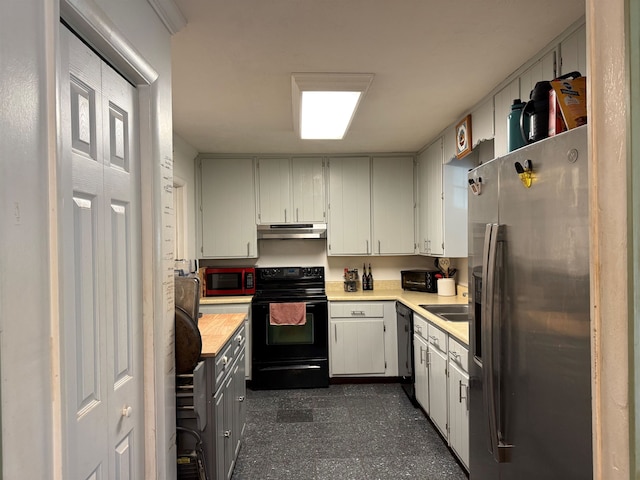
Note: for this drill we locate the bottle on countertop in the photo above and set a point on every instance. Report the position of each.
(365, 278)
(370, 279)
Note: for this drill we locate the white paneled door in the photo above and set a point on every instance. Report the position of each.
(101, 327)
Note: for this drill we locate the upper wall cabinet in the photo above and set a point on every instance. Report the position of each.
(573, 52)
(482, 122)
(393, 205)
(291, 190)
(502, 106)
(430, 238)
(349, 226)
(442, 203)
(226, 225)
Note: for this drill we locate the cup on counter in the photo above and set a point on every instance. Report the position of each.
(446, 287)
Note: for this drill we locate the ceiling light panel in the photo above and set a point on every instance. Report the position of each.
(324, 103)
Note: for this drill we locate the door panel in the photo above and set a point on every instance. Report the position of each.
(101, 264)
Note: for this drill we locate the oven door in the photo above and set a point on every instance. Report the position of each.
(288, 342)
(290, 356)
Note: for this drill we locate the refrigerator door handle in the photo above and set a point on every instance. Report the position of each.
(491, 342)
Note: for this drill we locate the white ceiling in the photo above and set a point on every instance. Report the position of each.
(433, 60)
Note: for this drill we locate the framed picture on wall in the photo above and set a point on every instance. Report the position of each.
(463, 137)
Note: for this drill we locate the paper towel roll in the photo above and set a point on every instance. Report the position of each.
(446, 287)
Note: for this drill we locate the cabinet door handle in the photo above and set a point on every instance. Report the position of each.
(297, 216)
(367, 246)
(378, 247)
(285, 215)
(455, 355)
(421, 350)
(462, 386)
(428, 358)
(248, 251)
(335, 332)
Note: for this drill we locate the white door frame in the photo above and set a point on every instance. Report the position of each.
(94, 26)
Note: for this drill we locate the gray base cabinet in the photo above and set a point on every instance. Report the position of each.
(227, 410)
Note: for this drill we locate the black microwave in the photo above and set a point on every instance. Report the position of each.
(419, 280)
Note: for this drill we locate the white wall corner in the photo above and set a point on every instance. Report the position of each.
(170, 15)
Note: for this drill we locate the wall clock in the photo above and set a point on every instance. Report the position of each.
(463, 137)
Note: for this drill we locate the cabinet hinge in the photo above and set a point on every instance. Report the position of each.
(202, 250)
(442, 196)
(443, 246)
(384, 328)
(259, 218)
(385, 364)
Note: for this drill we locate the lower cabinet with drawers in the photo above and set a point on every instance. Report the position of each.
(442, 383)
(362, 339)
(226, 408)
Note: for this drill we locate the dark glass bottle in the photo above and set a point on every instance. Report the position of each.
(370, 279)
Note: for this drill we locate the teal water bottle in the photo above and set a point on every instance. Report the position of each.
(515, 139)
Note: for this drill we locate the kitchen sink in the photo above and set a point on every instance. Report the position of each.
(450, 313)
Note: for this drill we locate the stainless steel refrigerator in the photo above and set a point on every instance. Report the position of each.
(529, 364)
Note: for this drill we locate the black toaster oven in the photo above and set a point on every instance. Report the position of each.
(419, 280)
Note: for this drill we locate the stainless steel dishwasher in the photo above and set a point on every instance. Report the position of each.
(405, 349)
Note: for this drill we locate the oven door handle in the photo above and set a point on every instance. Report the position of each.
(291, 367)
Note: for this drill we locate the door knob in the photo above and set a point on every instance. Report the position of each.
(126, 411)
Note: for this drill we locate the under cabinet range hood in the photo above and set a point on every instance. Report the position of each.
(283, 231)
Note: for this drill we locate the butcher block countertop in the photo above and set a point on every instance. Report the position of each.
(216, 329)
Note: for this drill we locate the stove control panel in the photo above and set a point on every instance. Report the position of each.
(291, 273)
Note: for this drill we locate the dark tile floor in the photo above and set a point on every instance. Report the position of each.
(355, 432)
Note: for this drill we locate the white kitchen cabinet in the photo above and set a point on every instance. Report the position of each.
(309, 205)
(349, 226)
(449, 144)
(291, 190)
(274, 190)
(459, 401)
(357, 346)
(235, 308)
(430, 239)
(227, 220)
(420, 354)
(573, 52)
(543, 69)
(502, 102)
(393, 205)
(482, 122)
(363, 339)
(442, 203)
(437, 363)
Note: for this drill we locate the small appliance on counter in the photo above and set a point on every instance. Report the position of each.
(229, 281)
(419, 280)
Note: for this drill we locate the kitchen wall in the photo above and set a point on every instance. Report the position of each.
(184, 176)
(275, 253)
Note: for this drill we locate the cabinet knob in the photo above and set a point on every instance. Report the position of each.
(126, 411)
(225, 360)
(241, 398)
(227, 433)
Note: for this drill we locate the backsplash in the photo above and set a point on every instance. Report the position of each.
(306, 253)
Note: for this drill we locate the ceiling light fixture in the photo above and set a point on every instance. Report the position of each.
(324, 103)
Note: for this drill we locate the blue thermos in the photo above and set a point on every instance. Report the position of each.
(515, 137)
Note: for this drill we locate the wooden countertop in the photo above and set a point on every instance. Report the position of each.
(216, 329)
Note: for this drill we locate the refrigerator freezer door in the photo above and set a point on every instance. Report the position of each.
(483, 211)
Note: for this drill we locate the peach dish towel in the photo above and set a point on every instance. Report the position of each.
(294, 313)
